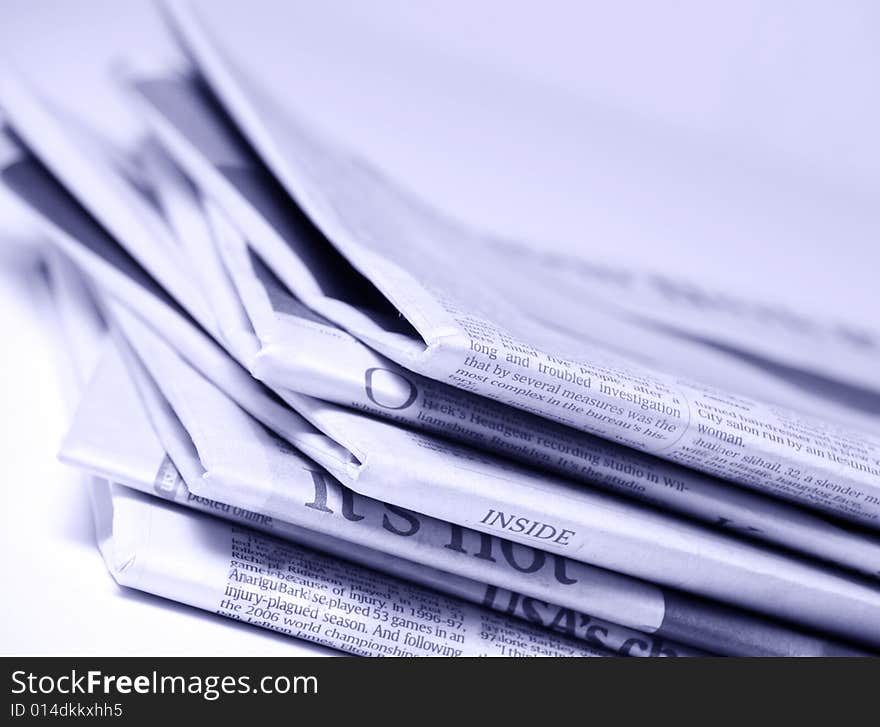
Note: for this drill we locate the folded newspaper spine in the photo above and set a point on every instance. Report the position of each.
(245, 575)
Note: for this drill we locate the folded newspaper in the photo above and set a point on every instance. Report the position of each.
(350, 419)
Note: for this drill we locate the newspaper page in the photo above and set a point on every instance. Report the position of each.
(448, 483)
(111, 437)
(245, 575)
(299, 350)
(203, 354)
(456, 337)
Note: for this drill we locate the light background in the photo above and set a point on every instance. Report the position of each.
(733, 142)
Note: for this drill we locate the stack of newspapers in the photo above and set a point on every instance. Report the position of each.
(310, 402)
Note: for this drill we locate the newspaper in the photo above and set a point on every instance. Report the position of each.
(245, 575)
(112, 437)
(602, 531)
(455, 332)
(594, 367)
(263, 480)
(344, 519)
(582, 456)
(300, 350)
